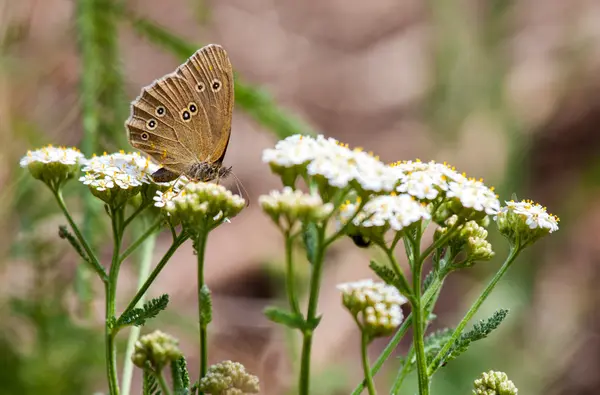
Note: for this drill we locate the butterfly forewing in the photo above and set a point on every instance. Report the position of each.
(184, 118)
(210, 73)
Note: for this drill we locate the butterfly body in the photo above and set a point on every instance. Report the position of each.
(183, 120)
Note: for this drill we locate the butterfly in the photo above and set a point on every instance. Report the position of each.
(183, 120)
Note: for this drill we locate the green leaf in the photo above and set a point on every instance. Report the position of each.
(64, 233)
(388, 276)
(180, 376)
(313, 323)
(138, 316)
(310, 237)
(205, 305)
(150, 385)
(284, 317)
(480, 330)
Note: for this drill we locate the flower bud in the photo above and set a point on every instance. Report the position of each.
(494, 383)
(376, 306)
(287, 207)
(156, 349)
(228, 378)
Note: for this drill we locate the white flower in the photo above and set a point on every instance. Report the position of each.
(395, 211)
(535, 215)
(50, 154)
(376, 306)
(327, 158)
(294, 205)
(525, 222)
(88, 178)
(425, 181)
(123, 170)
(474, 195)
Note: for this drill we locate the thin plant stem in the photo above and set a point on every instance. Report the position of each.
(200, 246)
(177, 242)
(111, 293)
(418, 316)
(290, 277)
(92, 257)
(514, 252)
(145, 262)
(162, 383)
(137, 212)
(146, 236)
(395, 340)
(311, 315)
(365, 340)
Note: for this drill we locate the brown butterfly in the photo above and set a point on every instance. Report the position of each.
(183, 120)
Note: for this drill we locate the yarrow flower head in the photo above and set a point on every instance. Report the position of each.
(472, 199)
(382, 213)
(200, 206)
(288, 206)
(117, 177)
(494, 383)
(228, 378)
(331, 164)
(525, 222)
(53, 165)
(425, 181)
(156, 349)
(375, 306)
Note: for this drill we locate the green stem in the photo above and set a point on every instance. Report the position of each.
(311, 315)
(419, 320)
(111, 294)
(514, 252)
(144, 269)
(95, 263)
(403, 372)
(138, 211)
(290, 275)
(398, 270)
(151, 230)
(365, 340)
(177, 242)
(203, 333)
(162, 383)
(395, 340)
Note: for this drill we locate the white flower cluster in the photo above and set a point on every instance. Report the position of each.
(156, 348)
(394, 211)
(533, 214)
(294, 205)
(200, 204)
(376, 306)
(335, 162)
(50, 154)
(53, 165)
(525, 222)
(228, 378)
(123, 170)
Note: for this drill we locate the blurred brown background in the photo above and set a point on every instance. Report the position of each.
(505, 90)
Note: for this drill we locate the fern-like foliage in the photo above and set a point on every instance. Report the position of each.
(480, 330)
(150, 385)
(181, 377)
(138, 316)
(433, 344)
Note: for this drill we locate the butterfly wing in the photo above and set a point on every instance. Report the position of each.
(210, 75)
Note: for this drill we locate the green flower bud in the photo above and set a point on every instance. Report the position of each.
(375, 306)
(494, 383)
(287, 207)
(156, 349)
(228, 378)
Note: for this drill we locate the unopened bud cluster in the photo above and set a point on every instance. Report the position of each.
(375, 306)
(470, 237)
(289, 206)
(228, 378)
(156, 349)
(494, 383)
(200, 206)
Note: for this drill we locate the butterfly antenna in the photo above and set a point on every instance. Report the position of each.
(241, 190)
